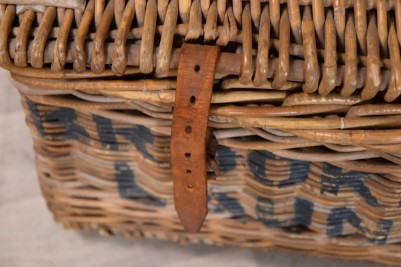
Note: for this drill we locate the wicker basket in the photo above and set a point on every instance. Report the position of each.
(305, 110)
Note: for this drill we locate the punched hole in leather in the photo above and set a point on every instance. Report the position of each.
(192, 143)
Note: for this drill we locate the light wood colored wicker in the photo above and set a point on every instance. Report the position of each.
(305, 108)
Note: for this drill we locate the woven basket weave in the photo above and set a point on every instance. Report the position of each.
(305, 109)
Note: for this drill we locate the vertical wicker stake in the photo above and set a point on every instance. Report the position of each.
(190, 134)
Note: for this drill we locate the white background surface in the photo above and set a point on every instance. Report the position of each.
(29, 237)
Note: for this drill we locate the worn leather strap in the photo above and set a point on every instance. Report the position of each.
(191, 137)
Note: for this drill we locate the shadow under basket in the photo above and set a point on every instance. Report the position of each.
(303, 113)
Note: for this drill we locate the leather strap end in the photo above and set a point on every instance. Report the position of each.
(190, 133)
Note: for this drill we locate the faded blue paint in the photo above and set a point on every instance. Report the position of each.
(128, 188)
(334, 177)
(297, 171)
(66, 117)
(225, 203)
(339, 215)
(226, 159)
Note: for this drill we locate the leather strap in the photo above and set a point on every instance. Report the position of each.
(190, 135)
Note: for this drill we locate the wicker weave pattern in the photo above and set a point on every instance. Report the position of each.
(325, 44)
(117, 176)
(305, 109)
